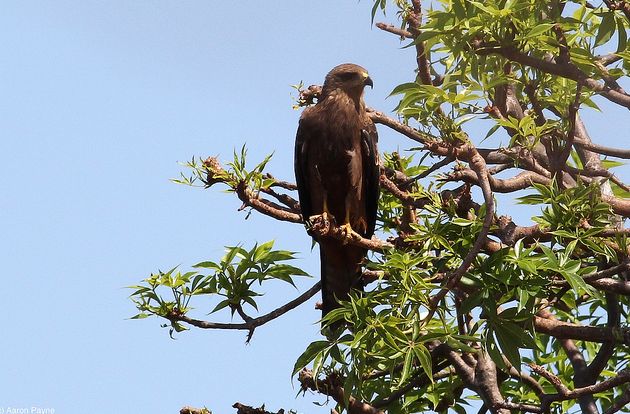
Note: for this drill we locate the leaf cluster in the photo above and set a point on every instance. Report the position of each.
(232, 281)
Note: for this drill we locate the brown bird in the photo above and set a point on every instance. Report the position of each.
(337, 173)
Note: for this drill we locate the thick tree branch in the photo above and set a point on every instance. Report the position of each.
(620, 287)
(321, 227)
(607, 350)
(414, 22)
(600, 149)
(402, 195)
(567, 330)
(487, 383)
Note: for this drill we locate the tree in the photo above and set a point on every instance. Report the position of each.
(462, 302)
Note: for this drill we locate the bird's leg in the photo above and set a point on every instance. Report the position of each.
(326, 213)
(346, 227)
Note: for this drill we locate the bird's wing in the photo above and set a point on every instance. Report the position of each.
(301, 165)
(371, 174)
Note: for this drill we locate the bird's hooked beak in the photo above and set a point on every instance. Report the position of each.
(367, 80)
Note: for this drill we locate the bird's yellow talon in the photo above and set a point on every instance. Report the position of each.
(346, 231)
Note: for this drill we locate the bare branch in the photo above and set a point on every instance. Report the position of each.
(442, 163)
(414, 22)
(285, 199)
(554, 380)
(622, 378)
(487, 384)
(526, 408)
(395, 30)
(567, 330)
(600, 149)
(192, 410)
(246, 409)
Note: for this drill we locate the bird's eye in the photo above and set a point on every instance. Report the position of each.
(346, 76)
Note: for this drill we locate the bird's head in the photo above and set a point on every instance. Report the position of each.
(349, 78)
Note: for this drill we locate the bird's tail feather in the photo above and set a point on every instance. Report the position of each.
(340, 271)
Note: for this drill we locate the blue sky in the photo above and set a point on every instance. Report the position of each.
(99, 100)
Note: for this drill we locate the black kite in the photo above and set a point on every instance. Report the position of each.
(337, 173)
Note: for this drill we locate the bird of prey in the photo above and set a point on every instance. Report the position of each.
(337, 174)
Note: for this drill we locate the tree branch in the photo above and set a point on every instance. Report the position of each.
(331, 386)
(192, 410)
(567, 330)
(566, 70)
(406, 130)
(269, 208)
(395, 30)
(478, 164)
(252, 323)
(246, 409)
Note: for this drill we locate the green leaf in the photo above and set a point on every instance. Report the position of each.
(308, 355)
(606, 29)
(424, 356)
(490, 10)
(491, 131)
(495, 354)
(406, 366)
(509, 345)
(402, 88)
(622, 35)
(618, 191)
(221, 305)
(578, 284)
(424, 36)
(207, 265)
(608, 164)
(538, 30)
(262, 251)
